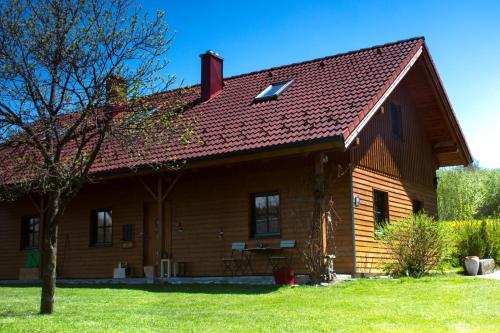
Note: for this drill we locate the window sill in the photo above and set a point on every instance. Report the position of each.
(263, 236)
(31, 248)
(100, 245)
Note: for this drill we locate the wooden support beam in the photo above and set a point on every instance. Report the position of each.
(159, 206)
(159, 196)
(319, 197)
(148, 188)
(171, 186)
(444, 148)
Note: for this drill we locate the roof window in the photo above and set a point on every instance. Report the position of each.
(272, 91)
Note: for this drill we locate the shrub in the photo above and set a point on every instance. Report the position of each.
(417, 243)
(476, 238)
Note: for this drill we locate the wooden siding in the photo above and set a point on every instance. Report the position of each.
(405, 169)
(202, 202)
(12, 257)
(369, 252)
(222, 201)
(409, 158)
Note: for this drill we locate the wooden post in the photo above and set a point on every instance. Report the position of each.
(159, 203)
(160, 196)
(319, 198)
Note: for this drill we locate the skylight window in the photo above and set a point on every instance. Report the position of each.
(273, 91)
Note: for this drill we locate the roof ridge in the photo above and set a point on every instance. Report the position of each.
(327, 57)
(304, 62)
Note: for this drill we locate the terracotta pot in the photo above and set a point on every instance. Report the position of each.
(472, 265)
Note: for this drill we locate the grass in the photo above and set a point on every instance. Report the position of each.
(452, 303)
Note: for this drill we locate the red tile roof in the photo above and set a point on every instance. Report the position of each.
(327, 100)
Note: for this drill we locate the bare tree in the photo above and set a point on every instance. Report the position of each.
(73, 74)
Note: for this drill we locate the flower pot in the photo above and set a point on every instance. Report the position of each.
(472, 265)
(284, 277)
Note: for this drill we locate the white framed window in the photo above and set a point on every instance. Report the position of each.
(273, 90)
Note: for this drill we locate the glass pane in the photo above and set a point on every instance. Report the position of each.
(108, 235)
(260, 207)
(380, 207)
(274, 89)
(260, 226)
(100, 235)
(274, 225)
(108, 218)
(274, 204)
(100, 219)
(35, 239)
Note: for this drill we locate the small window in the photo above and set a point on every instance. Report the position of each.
(380, 209)
(30, 232)
(265, 214)
(101, 229)
(418, 206)
(128, 232)
(273, 91)
(396, 121)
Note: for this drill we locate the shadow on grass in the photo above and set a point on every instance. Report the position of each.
(218, 289)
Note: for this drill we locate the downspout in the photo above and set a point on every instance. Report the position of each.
(351, 195)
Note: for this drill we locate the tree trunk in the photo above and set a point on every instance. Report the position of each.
(50, 254)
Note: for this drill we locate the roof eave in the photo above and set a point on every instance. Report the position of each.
(452, 118)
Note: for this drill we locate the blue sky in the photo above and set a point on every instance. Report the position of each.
(463, 38)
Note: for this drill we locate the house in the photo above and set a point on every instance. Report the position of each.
(366, 129)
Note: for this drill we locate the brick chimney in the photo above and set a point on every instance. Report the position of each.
(116, 94)
(211, 75)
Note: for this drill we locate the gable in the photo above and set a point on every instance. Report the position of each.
(432, 108)
(405, 153)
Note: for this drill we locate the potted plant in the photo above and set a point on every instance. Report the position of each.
(472, 265)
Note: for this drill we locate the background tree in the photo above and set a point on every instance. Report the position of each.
(72, 77)
(468, 192)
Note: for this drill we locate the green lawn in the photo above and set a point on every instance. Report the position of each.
(454, 304)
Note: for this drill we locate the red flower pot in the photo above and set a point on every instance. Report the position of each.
(284, 276)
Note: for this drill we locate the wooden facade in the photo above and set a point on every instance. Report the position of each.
(203, 203)
(193, 215)
(405, 168)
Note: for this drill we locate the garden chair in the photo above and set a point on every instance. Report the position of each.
(284, 259)
(237, 262)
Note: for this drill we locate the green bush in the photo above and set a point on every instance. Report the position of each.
(476, 238)
(418, 245)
